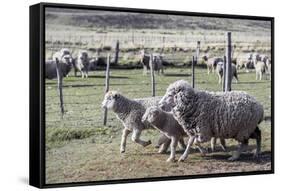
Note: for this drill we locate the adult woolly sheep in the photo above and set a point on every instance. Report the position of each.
(168, 102)
(129, 112)
(225, 115)
(64, 63)
(219, 71)
(166, 124)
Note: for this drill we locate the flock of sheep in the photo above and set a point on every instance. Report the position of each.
(186, 112)
(183, 111)
(261, 63)
(83, 63)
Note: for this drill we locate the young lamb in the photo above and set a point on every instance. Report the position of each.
(168, 102)
(156, 59)
(225, 115)
(219, 71)
(81, 64)
(166, 124)
(260, 67)
(129, 112)
(211, 63)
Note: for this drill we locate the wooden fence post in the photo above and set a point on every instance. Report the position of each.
(151, 65)
(59, 80)
(223, 76)
(228, 71)
(197, 51)
(106, 86)
(193, 76)
(116, 53)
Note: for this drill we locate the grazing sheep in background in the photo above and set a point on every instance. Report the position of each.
(219, 71)
(260, 67)
(168, 102)
(50, 67)
(81, 64)
(224, 115)
(211, 63)
(93, 62)
(157, 61)
(60, 54)
(245, 62)
(268, 68)
(166, 124)
(129, 112)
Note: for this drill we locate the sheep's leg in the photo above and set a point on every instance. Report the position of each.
(223, 144)
(236, 154)
(174, 143)
(162, 139)
(257, 135)
(164, 147)
(182, 143)
(187, 149)
(200, 148)
(136, 138)
(125, 134)
(213, 143)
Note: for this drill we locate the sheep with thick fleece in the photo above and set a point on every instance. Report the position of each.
(167, 101)
(166, 124)
(224, 115)
(130, 113)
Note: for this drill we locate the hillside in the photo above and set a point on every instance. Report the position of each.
(106, 19)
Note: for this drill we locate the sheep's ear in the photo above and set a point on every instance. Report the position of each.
(115, 96)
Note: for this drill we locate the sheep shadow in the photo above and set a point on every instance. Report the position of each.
(113, 77)
(176, 75)
(246, 157)
(253, 82)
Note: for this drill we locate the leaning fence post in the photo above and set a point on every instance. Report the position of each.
(59, 79)
(192, 67)
(106, 86)
(228, 70)
(151, 65)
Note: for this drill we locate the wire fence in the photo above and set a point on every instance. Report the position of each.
(83, 97)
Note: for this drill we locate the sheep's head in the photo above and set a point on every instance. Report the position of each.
(67, 60)
(109, 100)
(172, 90)
(151, 114)
(64, 51)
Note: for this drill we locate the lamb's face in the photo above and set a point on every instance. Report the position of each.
(151, 114)
(168, 100)
(109, 100)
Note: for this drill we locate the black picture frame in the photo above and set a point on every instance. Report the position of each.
(37, 94)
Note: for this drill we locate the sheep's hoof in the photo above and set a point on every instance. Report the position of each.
(157, 146)
(122, 150)
(256, 155)
(181, 159)
(171, 160)
(233, 158)
(148, 143)
(162, 151)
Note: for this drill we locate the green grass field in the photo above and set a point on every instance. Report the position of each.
(79, 148)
